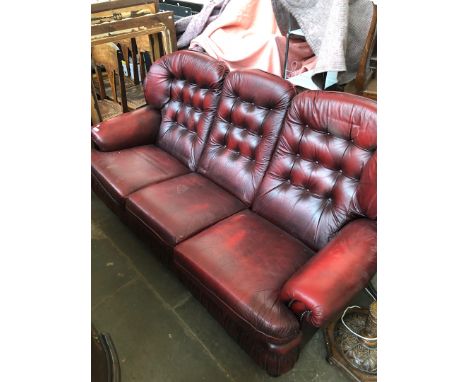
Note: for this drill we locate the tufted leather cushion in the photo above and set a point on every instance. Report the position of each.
(243, 262)
(186, 86)
(323, 173)
(125, 171)
(248, 120)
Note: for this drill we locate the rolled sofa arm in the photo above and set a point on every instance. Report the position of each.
(326, 283)
(139, 127)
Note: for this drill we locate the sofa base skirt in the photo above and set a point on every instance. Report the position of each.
(275, 359)
(164, 252)
(107, 198)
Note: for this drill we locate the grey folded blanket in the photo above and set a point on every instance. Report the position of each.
(335, 30)
(195, 24)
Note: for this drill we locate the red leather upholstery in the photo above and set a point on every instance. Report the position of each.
(332, 277)
(313, 184)
(249, 117)
(186, 86)
(367, 190)
(181, 207)
(123, 172)
(278, 220)
(243, 262)
(140, 127)
(275, 359)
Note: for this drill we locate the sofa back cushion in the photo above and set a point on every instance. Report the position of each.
(245, 131)
(186, 87)
(324, 170)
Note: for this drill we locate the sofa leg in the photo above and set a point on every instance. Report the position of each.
(280, 359)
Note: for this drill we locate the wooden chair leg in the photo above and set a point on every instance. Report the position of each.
(142, 66)
(136, 77)
(127, 63)
(96, 115)
(102, 88)
(148, 61)
(156, 52)
(123, 92)
(170, 41)
(166, 40)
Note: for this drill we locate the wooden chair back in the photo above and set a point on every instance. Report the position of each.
(118, 9)
(110, 57)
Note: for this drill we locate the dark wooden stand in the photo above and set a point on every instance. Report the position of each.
(335, 353)
(104, 361)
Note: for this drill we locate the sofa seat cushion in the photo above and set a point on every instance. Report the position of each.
(242, 263)
(123, 172)
(181, 207)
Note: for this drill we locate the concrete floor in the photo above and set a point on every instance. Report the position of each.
(160, 331)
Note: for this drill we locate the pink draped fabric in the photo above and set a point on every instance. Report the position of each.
(246, 35)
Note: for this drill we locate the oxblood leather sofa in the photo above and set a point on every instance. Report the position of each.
(262, 201)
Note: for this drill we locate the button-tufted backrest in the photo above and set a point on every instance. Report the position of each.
(245, 131)
(324, 170)
(186, 87)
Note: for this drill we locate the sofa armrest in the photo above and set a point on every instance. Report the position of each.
(139, 127)
(326, 283)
